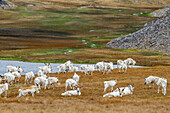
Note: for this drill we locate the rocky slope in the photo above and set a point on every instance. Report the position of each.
(6, 4)
(154, 36)
(162, 12)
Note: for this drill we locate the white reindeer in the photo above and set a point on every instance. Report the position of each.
(61, 68)
(119, 62)
(151, 79)
(41, 81)
(108, 67)
(46, 69)
(28, 76)
(72, 83)
(52, 80)
(89, 69)
(83, 67)
(123, 66)
(32, 89)
(76, 77)
(162, 82)
(9, 77)
(72, 92)
(127, 90)
(12, 68)
(74, 68)
(130, 61)
(17, 75)
(4, 88)
(100, 66)
(118, 93)
(108, 84)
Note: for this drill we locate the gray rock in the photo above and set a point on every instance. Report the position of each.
(154, 36)
(6, 5)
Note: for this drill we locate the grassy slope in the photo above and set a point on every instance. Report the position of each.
(45, 32)
(58, 30)
(91, 100)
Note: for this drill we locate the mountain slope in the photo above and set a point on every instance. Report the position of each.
(153, 36)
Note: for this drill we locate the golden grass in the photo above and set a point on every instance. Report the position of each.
(113, 3)
(91, 100)
(95, 55)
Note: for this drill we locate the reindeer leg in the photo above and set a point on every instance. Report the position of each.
(152, 85)
(5, 94)
(54, 86)
(112, 89)
(158, 88)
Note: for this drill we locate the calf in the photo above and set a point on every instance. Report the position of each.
(119, 62)
(100, 66)
(72, 92)
(162, 82)
(72, 83)
(41, 73)
(61, 68)
(41, 81)
(9, 77)
(83, 67)
(52, 80)
(46, 69)
(17, 75)
(108, 67)
(12, 68)
(109, 84)
(123, 66)
(89, 69)
(4, 88)
(28, 76)
(26, 90)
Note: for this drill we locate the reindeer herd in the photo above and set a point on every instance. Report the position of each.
(44, 80)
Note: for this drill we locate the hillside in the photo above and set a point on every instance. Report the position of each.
(154, 36)
(93, 3)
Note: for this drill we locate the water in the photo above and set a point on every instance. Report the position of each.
(27, 66)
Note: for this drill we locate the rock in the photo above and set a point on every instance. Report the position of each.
(4, 4)
(153, 36)
(162, 12)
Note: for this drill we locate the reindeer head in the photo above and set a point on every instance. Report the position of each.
(145, 81)
(20, 70)
(121, 91)
(131, 87)
(78, 90)
(38, 89)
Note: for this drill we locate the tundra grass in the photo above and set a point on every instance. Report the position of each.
(50, 100)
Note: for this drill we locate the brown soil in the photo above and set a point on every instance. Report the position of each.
(91, 100)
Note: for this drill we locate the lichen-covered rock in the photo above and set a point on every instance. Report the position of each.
(161, 12)
(154, 36)
(4, 4)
